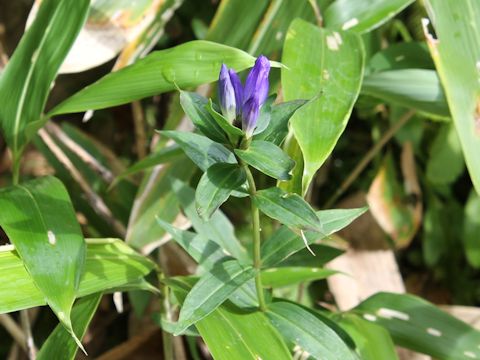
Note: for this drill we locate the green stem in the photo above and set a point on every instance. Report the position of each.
(16, 171)
(257, 259)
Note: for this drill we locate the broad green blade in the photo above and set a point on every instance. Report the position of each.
(200, 149)
(110, 264)
(218, 229)
(471, 229)
(291, 275)
(268, 158)
(40, 221)
(59, 344)
(456, 54)
(211, 291)
(290, 209)
(327, 67)
(304, 329)
(414, 88)
(402, 55)
(445, 163)
(205, 252)
(235, 22)
(186, 65)
(373, 341)
(27, 78)
(215, 187)
(284, 242)
(362, 16)
(232, 334)
(155, 198)
(419, 325)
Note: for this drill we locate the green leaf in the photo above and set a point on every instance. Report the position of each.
(284, 242)
(218, 228)
(291, 275)
(183, 66)
(40, 221)
(204, 251)
(327, 67)
(215, 187)
(211, 291)
(373, 342)
(323, 255)
(230, 129)
(59, 344)
(418, 325)
(280, 115)
(304, 329)
(233, 334)
(28, 76)
(416, 88)
(362, 16)
(471, 229)
(235, 22)
(456, 55)
(404, 55)
(268, 158)
(445, 163)
(201, 150)
(109, 265)
(156, 198)
(195, 107)
(158, 157)
(289, 209)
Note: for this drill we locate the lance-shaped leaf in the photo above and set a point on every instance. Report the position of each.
(362, 16)
(419, 325)
(110, 264)
(456, 54)
(186, 65)
(268, 158)
(212, 290)
(201, 150)
(307, 331)
(233, 334)
(215, 187)
(59, 344)
(415, 88)
(288, 208)
(284, 243)
(290, 275)
(230, 129)
(327, 67)
(218, 229)
(195, 107)
(204, 251)
(40, 221)
(27, 78)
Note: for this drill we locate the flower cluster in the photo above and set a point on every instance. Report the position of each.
(238, 102)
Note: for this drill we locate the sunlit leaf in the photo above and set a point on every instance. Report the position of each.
(327, 67)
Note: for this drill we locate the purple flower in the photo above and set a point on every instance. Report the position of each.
(236, 101)
(226, 94)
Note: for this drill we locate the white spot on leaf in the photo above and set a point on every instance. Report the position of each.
(350, 23)
(332, 43)
(392, 314)
(434, 332)
(470, 354)
(325, 74)
(52, 239)
(369, 317)
(278, 35)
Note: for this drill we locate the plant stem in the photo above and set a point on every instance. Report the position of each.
(15, 171)
(257, 259)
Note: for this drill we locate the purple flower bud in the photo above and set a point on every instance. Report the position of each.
(238, 88)
(227, 94)
(250, 113)
(256, 84)
(255, 93)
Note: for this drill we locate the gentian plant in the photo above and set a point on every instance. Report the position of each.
(243, 133)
